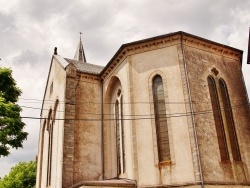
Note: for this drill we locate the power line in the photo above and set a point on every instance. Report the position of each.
(141, 118)
(93, 102)
(35, 108)
(113, 119)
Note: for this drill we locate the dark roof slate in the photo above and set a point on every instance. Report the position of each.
(86, 67)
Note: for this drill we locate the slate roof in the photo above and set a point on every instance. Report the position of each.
(86, 67)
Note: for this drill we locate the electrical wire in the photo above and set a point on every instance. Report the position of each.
(74, 104)
(36, 108)
(93, 102)
(173, 115)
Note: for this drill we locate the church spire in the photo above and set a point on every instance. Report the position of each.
(79, 55)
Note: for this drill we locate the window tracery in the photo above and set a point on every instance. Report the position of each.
(223, 118)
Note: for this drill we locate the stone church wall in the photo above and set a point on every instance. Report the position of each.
(55, 90)
(118, 80)
(88, 129)
(68, 139)
(144, 66)
(136, 73)
(200, 65)
(84, 145)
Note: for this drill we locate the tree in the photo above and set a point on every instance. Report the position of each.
(11, 125)
(23, 175)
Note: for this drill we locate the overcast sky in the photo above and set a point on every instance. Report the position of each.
(30, 29)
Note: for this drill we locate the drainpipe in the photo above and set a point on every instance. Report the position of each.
(192, 112)
(102, 135)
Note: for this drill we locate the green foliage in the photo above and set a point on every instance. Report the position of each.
(23, 175)
(11, 125)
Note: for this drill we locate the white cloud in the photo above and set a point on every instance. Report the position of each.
(8, 7)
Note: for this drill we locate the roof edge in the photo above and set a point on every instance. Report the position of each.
(168, 35)
(63, 65)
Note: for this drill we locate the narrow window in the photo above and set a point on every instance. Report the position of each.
(50, 130)
(229, 121)
(51, 88)
(50, 149)
(161, 120)
(218, 119)
(51, 121)
(123, 137)
(118, 138)
(41, 152)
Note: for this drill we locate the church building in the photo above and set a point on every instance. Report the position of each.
(166, 111)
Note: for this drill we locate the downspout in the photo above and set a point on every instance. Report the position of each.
(102, 134)
(192, 112)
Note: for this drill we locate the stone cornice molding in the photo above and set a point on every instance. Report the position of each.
(134, 48)
(212, 47)
(88, 76)
(169, 40)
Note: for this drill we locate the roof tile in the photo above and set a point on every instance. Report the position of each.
(86, 67)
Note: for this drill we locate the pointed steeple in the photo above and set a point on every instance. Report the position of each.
(79, 55)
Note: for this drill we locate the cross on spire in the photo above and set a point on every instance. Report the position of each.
(79, 55)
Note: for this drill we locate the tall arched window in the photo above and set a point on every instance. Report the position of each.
(41, 152)
(118, 138)
(218, 119)
(229, 121)
(50, 130)
(123, 136)
(50, 127)
(161, 120)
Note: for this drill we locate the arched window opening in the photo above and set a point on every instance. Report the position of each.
(229, 121)
(49, 129)
(51, 121)
(123, 137)
(118, 138)
(55, 110)
(161, 120)
(218, 119)
(114, 131)
(41, 152)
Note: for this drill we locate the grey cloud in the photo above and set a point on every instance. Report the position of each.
(41, 11)
(33, 58)
(7, 33)
(7, 23)
(23, 154)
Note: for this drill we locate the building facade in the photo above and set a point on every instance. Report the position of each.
(171, 110)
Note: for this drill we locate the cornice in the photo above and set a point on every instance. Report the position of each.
(169, 40)
(81, 75)
(136, 48)
(212, 47)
